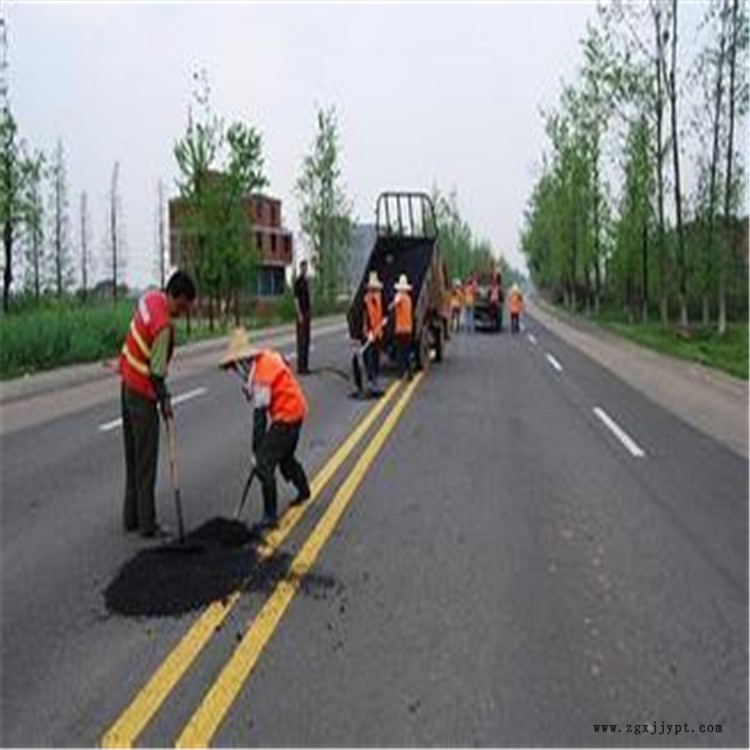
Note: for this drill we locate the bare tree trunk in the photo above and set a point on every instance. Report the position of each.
(676, 162)
(728, 248)
(84, 249)
(644, 309)
(663, 309)
(715, 153)
(113, 229)
(161, 243)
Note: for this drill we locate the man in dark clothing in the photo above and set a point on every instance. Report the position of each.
(143, 364)
(302, 309)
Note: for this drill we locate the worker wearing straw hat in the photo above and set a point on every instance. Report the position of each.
(373, 325)
(404, 324)
(278, 399)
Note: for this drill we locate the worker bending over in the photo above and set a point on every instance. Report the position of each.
(143, 364)
(404, 324)
(277, 399)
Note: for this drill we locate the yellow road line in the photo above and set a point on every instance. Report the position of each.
(204, 723)
(134, 719)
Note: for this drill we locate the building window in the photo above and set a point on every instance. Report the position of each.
(273, 244)
(258, 241)
(274, 215)
(270, 281)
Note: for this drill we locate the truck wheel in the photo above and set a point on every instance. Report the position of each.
(423, 353)
(438, 334)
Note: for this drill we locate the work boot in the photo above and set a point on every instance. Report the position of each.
(301, 498)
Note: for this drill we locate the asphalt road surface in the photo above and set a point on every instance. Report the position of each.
(513, 550)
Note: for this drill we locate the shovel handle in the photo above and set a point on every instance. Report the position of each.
(173, 477)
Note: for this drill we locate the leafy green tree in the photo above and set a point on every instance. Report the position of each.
(325, 211)
(33, 230)
(219, 248)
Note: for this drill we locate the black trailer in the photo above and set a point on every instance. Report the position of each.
(407, 243)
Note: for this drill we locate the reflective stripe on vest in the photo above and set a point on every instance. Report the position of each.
(151, 316)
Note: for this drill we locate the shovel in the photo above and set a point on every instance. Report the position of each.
(182, 545)
(245, 492)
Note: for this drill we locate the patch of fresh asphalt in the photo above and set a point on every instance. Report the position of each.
(68, 665)
(510, 576)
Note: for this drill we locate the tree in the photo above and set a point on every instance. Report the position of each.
(35, 257)
(738, 103)
(86, 260)
(325, 212)
(16, 170)
(115, 246)
(217, 240)
(60, 224)
(672, 89)
(160, 264)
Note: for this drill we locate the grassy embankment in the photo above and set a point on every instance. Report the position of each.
(59, 334)
(698, 344)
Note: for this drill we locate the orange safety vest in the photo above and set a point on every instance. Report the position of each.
(402, 308)
(456, 299)
(374, 314)
(150, 318)
(288, 403)
(469, 294)
(515, 303)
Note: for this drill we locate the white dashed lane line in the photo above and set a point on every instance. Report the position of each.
(532, 338)
(635, 450)
(115, 423)
(554, 362)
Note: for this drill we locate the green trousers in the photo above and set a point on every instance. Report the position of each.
(140, 429)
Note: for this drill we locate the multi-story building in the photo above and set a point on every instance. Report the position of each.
(273, 242)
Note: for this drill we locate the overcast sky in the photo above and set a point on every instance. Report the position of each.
(446, 94)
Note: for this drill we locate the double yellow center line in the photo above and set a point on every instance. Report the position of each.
(206, 720)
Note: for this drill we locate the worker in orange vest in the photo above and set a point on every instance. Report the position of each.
(516, 306)
(143, 364)
(404, 324)
(457, 302)
(277, 398)
(470, 291)
(373, 324)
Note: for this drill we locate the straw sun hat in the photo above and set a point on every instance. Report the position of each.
(238, 347)
(373, 282)
(403, 284)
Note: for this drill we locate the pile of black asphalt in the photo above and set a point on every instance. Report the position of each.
(216, 559)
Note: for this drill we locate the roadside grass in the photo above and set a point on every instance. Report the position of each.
(56, 334)
(704, 345)
(700, 344)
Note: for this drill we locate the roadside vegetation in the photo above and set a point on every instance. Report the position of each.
(640, 206)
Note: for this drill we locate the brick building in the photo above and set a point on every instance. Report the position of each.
(273, 241)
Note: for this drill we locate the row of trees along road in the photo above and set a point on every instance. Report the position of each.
(610, 220)
(39, 258)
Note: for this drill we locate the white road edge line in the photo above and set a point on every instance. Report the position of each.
(620, 434)
(532, 338)
(115, 423)
(554, 362)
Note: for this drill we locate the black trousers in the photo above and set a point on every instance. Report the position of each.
(404, 347)
(277, 449)
(303, 343)
(140, 429)
(371, 357)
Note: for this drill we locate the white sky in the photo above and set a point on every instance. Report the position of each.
(446, 94)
